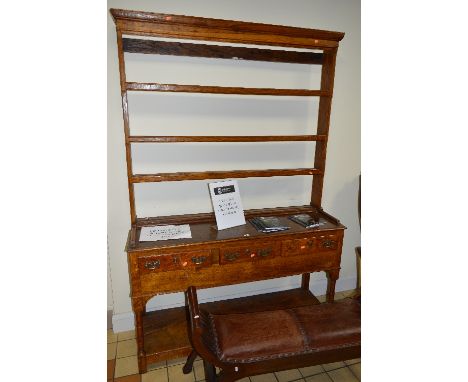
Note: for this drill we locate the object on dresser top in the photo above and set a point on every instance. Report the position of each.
(268, 224)
(227, 204)
(165, 232)
(306, 220)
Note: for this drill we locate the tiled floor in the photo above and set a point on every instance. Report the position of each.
(122, 365)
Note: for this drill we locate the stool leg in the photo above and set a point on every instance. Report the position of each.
(189, 363)
(210, 372)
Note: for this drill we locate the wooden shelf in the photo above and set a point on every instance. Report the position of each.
(173, 88)
(225, 138)
(166, 330)
(178, 176)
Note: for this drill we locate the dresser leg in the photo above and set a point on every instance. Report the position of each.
(139, 310)
(332, 276)
(305, 281)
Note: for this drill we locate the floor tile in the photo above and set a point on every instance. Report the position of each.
(123, 336)
(311, 370)
(348, 293)
(264, 378)
(288, 375)
(111, 350)
(126, 366)
(129, 378)
(111, 336)
(158, 375)
(333, 365)
(322, 298)
(199, 371)
(342, 375)
(352, 361)
(156, 365)
(110, 368)
(176, 374)
(126, 348)
(319, 378)
(340, 295)
(176, 361)
(356, 370)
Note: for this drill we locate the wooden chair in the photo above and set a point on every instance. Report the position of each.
(246, 344)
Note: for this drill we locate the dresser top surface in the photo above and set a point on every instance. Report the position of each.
(205, 231)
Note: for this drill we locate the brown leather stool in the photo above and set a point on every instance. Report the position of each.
(246, 344)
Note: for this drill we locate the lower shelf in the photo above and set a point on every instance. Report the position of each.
(165, 331)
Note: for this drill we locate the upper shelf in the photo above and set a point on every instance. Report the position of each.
(200, 28)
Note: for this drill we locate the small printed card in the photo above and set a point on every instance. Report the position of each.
(227, 204)
(165, 232)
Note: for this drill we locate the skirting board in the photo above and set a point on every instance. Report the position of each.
(125, 321)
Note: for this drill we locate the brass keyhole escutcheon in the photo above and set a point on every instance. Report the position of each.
(231, 256)
(152, 264)
(329, 244)
(265, 252)
(198, 260)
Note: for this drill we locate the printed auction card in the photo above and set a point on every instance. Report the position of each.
(227, 204)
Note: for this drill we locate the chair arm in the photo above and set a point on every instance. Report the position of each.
(200, 335)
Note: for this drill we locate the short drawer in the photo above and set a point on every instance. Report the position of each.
(236, 254)
(296, 247)
(174, 261)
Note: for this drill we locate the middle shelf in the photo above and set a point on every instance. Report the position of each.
(177, 176)
(157, 87)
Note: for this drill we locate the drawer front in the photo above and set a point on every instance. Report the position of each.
(174, 261)
(239, 254)
(296, 247)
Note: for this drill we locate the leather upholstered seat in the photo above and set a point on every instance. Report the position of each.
(260, 342)
(252, 337)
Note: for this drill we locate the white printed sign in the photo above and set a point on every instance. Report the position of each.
(227, 204)
(165, 232)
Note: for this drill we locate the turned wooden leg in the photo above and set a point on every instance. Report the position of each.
(139, 310)
(189, 363)
(305, 281)
(332, 276)
(358, 267)
(210, 372)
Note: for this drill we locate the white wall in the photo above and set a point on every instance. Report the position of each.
(178, 114)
